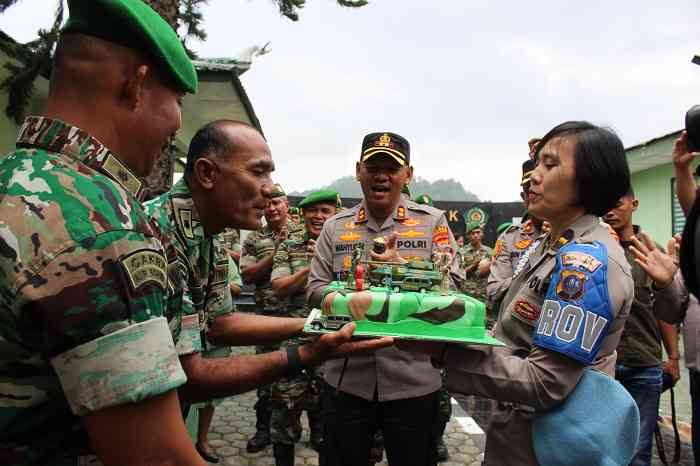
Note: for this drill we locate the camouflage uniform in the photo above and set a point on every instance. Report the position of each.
(197, 264)
(291, 396)
(82, 320)
(257, 246)
(231, 239)
(198, 268)
(474, 285)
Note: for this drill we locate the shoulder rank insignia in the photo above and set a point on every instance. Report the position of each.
(401, 213)
(523, 244)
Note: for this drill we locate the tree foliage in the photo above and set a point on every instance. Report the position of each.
(290, 8)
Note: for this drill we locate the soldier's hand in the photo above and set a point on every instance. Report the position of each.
(660, 266)
(484, 266)
(680, 156)
(391, 254)
(339, 344)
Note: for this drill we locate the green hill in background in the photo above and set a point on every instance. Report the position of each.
(441, 190)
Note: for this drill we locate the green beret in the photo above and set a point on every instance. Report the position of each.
(503, 227)
(277, 191)
(133, 24)
(405, 190)
(425, 200)
(324, 195)
(293, 211)
(473, 226)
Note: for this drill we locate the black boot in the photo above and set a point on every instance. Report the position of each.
(441, 452)
(261, 439)
(316, 429)
(284, 454)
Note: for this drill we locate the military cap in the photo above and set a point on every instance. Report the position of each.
(597, 425)
(528, 167)
(425, 200)
(323, 195)
(133, 24)
(390, 144)
(277, 191)
(503, 227)
(473, 226)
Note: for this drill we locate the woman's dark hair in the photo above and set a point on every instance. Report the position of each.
(602, 173)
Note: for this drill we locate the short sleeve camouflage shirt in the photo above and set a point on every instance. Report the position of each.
(82, 280)
(197, 265)
(256, 247)
(292, 256)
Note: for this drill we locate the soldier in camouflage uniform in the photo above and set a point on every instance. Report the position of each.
(290, 396)
(472, 256)
(256, 265)
(231, 239)
(88, 361)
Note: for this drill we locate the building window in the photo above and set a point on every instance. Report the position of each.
(677, 216)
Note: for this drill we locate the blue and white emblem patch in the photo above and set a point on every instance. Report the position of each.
(576, 314)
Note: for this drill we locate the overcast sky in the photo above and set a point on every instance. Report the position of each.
(467, 82)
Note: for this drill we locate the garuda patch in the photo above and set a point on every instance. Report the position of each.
(145, 266)
(571, 285)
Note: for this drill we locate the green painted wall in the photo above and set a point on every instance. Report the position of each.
(653, 190)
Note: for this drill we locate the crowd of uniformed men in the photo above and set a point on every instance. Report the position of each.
(116, 316)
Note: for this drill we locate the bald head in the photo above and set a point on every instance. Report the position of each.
(220, 140)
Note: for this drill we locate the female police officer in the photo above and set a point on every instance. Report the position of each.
(569, 299)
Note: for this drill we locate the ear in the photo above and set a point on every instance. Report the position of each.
(635, 204)
(135, 86)
(409, 174)
(357, 171)
(205, 173)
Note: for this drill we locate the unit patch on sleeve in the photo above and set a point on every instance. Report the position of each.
(576, 314)
(145, 266)
(441, 235)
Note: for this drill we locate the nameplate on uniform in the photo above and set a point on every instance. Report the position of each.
(145, 266)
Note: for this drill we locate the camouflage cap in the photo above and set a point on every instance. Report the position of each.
(425, 200)
(133, 24)
(323, 195)
(277, 191)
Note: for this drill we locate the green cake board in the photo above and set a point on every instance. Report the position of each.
(427, 315)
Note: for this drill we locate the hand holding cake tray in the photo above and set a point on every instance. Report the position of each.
(404, 300)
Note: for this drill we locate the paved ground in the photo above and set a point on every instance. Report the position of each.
(234, 423)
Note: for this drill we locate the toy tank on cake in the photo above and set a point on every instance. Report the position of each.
(410, 300)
